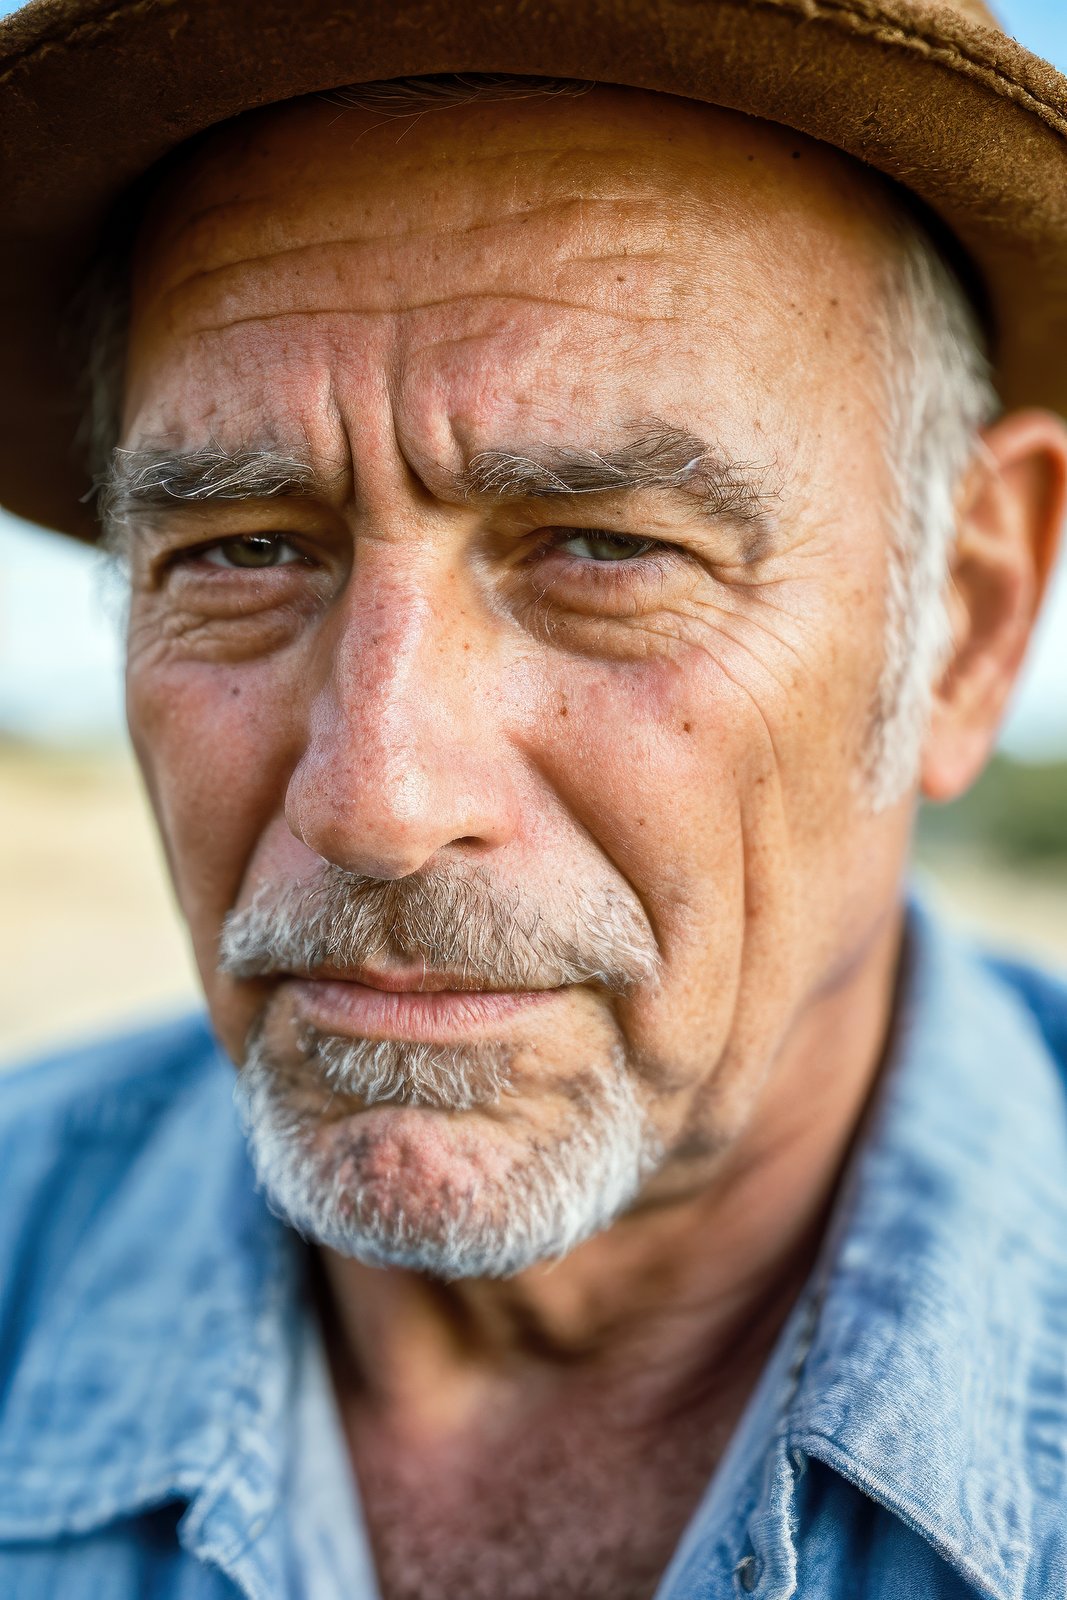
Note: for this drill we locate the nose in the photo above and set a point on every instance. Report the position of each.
(404, 754)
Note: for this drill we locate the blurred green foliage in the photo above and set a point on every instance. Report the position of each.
(1016, 813)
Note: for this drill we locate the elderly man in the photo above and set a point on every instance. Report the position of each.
(567, 525)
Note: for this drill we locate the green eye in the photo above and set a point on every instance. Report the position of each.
(252, 550)
(598, 546)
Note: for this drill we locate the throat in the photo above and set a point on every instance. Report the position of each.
(554, 1433)
(578, 1500)
(572, 1477)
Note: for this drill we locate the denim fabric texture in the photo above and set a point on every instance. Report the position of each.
(908, 1437)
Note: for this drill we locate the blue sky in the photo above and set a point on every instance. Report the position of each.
(1039, 24)
(60, 672)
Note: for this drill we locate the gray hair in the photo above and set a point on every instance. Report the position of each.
(939, 394)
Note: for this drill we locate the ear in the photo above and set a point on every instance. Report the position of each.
(1010, 509)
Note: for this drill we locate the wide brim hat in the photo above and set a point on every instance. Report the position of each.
(94, 93)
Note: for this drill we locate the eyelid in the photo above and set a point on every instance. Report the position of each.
(561, 533)
(205, 548)
(600, 587)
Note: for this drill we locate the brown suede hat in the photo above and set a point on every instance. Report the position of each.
(94, 93)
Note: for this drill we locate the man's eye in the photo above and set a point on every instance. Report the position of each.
(252, 550)
(596, 546)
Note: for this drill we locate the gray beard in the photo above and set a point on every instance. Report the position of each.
(549, 1199)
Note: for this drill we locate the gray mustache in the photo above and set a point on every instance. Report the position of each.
(456, 921)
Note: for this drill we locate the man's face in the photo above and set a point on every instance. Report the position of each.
(553, 680)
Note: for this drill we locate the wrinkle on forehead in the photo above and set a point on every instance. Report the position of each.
(293, 178)
(294, 206)
(259, 241)
(607, 255)
(467, 200)
(565, 259)
(585, 256)
(225, 311)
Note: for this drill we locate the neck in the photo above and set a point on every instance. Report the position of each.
(675, 1299)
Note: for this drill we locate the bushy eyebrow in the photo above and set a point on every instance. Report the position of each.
(153, 479)
(659, 457)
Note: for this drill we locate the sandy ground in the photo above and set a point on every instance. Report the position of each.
(90, 937)
(89, 932)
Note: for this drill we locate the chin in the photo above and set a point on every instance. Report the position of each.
(465, 1193)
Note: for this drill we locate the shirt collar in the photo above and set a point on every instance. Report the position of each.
(162, 1367)
(164, 1373)
(935, 1377)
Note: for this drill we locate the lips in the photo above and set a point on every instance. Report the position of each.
(439, 1012)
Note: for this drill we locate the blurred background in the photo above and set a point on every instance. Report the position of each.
(89, 931)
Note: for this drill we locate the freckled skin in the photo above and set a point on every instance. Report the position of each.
(426, 684)
(444, 325)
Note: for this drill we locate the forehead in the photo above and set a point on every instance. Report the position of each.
(614, 224)
(596, 144)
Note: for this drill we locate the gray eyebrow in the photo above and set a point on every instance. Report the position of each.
(661, 457)
(153, 479)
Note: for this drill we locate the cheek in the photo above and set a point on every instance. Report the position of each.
(650, 759)
(721, 796)
(216, 743)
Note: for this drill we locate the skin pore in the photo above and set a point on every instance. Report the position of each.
(394, 662)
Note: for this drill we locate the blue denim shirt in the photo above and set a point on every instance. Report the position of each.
(908, 1437)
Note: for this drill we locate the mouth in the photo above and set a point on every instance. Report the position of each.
(423, 1007)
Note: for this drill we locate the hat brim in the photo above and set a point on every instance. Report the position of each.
(94, 94)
